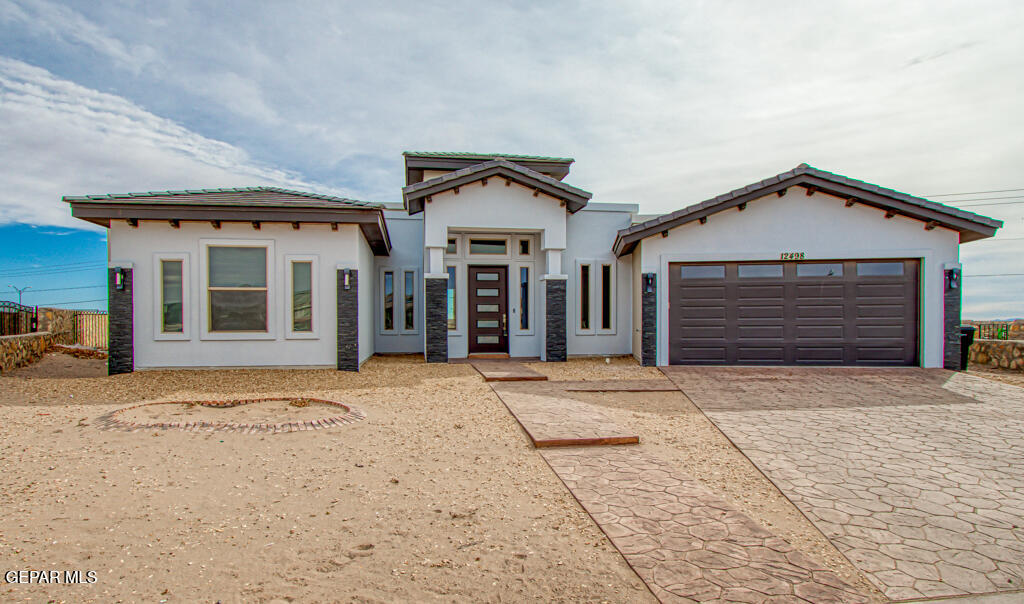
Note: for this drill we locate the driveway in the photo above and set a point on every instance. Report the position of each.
(916, 475)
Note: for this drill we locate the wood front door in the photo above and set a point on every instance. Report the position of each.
(488, 309)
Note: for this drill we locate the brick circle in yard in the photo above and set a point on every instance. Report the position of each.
(346, 415)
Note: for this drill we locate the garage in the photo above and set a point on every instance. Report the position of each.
(838, 312)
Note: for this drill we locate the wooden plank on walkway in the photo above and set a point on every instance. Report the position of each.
(686, 543)
(502, 370)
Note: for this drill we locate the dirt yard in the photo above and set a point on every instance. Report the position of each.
(436, 496)
(1008, 376)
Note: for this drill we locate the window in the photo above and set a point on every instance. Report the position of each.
(389, 300)
(879, 269)
(453, 246)
(410, 300)
(584, 296)
(495, 247)
(237, 289)
(171, 298)
(606, 296)
(704, 271)
(302, 296)
(524, 247)
(451, 297)
(524, 297)
(763, 271)
(819, 270)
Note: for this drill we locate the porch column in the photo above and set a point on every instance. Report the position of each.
(649, 320)
(436, 318)
(952, 288)
(121, 320)
(348, 319)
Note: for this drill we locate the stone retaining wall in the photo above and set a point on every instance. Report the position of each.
(1004, 354)
(18, 351)
(60, 322)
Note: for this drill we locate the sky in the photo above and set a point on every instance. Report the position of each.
(663, 104)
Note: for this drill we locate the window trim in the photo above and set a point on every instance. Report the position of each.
(314, 293)
(158, 295)
(399, 284)
(204, 299)
(594, 280)
(469, 237)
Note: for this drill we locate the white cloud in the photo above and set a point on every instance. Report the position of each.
(58, 138)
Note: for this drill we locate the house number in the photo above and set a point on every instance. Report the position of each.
(792, 256)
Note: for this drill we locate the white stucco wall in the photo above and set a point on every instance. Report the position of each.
(823, 228)
(590, 234)
(141, 246)
(406, 254)
(494, 207)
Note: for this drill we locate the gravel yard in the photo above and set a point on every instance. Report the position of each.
(435, 496)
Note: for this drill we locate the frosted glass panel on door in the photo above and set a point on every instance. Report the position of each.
(487, 339)
(487, 276)
(487, 323)
(486, 293)
(486, 308)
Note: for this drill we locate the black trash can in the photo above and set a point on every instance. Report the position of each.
(966, 339)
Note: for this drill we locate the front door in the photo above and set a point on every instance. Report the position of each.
(488, 309)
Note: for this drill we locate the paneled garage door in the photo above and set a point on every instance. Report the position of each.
(843, 312)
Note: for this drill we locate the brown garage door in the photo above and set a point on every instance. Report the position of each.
(843, 312)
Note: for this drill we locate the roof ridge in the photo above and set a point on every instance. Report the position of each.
(253, 189)
(471, 154)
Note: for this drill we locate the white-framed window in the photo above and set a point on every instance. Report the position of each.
(488, 246)
(399, 300)
(302, 310)
(237, 277)
(523, 292)
(453, 308)
(595, 297)
(171, 316)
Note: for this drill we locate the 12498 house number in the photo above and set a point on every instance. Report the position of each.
(792, 256)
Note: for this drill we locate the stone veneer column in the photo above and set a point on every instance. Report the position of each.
(348, 320)
(436, 320)
(951, 320)
(554, 326)
(649, 320)
(120, 323)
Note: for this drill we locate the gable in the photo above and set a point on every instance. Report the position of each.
(811, 180)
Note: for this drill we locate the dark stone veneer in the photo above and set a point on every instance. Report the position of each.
(951, 321)
(348, 321)
(436, 320)
(649, 321)
(554, 327)
(121, 317)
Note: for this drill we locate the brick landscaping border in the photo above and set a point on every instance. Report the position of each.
(110, 421)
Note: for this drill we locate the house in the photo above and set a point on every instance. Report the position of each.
(498, 255)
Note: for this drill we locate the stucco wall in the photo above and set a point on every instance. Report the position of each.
(406, 254)
(823, 228)
(590, 234)
(331, 249)
(495, 207)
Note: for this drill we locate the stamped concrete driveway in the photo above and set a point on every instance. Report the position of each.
(916, 475)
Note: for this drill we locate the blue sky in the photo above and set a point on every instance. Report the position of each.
(662, 104)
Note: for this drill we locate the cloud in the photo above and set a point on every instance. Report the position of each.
(59, 138)
(662, 104)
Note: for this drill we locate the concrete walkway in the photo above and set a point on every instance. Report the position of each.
(687, 544)
(917, 476)
(553, 419)
(504, 370)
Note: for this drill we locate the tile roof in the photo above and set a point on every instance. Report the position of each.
(487, 156)
(576, 198)
(239, 196)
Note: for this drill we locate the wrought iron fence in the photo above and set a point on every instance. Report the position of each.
(993, 331)
(16, 319)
